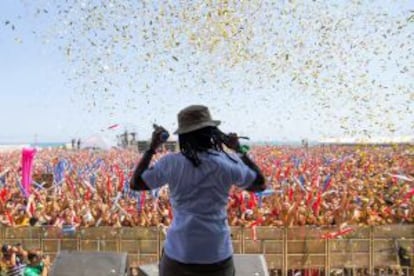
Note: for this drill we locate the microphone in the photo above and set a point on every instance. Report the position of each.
(225, 138)
(164, 135)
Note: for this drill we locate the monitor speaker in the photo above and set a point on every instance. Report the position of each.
(89, 263)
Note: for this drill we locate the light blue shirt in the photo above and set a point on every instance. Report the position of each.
(199, 232)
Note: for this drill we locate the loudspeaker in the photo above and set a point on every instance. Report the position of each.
(89, 263)
(148, 270)
(250, 264)
(246, 265)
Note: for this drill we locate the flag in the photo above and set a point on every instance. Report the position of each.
(121, 178)
(3, 194)
(401, 176)
(409, 194)
(301, 182)
(59, 171)
(113, 126)
(309, 198)
(241, 201)
(27, 169)
(297, 162)
(327, 183)
(287, 171)
(262, 194)
(87, 195)
(316, 204)
(290, 193)
(92, 180)
(252, 203)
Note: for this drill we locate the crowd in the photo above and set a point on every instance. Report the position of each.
(323, 185)
(17, 261)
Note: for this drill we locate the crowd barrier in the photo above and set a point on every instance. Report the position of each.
(364, 251)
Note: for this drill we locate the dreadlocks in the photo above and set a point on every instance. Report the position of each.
(201, 140)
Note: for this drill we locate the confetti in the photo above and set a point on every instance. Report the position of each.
(335, 62)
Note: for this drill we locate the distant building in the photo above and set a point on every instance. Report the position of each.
(169, 145)
(129, 140)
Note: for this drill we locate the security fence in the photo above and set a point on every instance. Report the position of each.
(379, 250)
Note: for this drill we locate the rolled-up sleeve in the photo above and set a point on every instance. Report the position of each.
(241, 175)
(157, 175)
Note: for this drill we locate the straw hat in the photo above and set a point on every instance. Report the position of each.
(194, 117)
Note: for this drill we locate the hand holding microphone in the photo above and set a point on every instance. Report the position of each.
(231, 140)
(159, 135)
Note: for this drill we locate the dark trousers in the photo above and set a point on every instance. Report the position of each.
(170, 267)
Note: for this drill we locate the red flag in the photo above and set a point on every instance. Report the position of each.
(290, 194)
(3, 194)
(242, 205)
(287, 171)
(309, 198)
(252, 201)
(87, 195)
(120, 177)
(317, 204)
(31, 209)
(278, 172)
(409, 194)
(304, 168)
(113, 126)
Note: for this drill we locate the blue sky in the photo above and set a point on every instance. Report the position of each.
(282, 71)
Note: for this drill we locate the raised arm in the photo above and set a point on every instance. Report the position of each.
(259, 182)
(137, 183)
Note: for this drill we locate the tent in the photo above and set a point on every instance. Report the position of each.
(96, 142)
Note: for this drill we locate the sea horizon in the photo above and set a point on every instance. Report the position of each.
(52, 144)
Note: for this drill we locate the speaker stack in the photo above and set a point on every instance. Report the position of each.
(89, 263)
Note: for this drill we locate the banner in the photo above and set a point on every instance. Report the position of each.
(27, 169)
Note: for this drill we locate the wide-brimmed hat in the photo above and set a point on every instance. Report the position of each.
(194, 117)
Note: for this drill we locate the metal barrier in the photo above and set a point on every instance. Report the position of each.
(364, 251)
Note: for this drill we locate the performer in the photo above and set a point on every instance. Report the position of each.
(198, 241)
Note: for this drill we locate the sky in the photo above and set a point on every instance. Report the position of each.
(273, 71)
